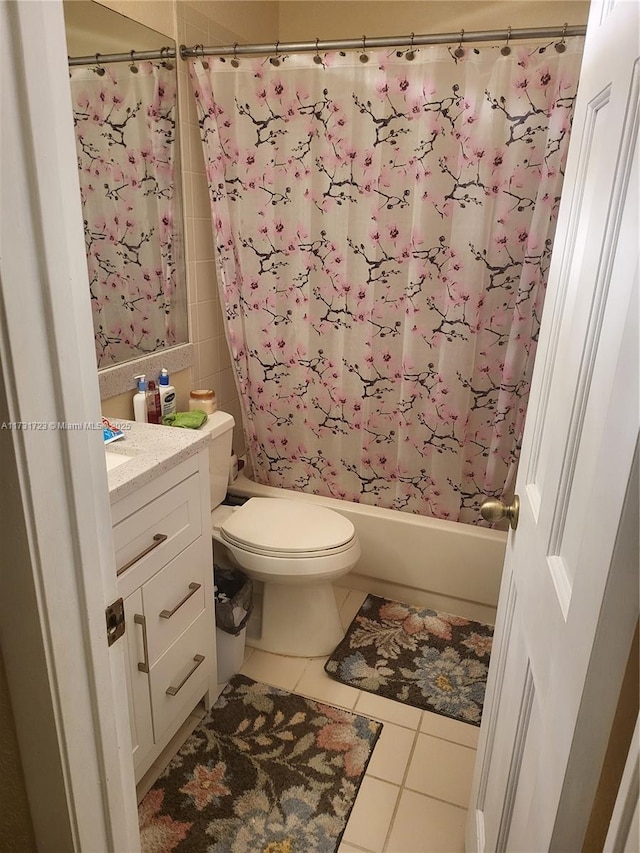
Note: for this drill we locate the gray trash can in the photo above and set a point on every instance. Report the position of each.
(233, 593)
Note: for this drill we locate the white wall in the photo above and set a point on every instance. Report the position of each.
(328, 19)
(93, 28)
(160, 15)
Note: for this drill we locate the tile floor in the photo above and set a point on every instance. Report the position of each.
(414, 796)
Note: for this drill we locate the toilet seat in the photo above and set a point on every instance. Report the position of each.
(287, 529)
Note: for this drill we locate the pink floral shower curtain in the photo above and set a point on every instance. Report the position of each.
(383, 234)
(125, 125)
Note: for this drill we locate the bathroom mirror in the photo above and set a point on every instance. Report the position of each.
(126, 125)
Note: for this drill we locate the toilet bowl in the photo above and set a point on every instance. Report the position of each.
(297, 550)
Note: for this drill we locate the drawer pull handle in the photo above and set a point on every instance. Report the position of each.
(140, 620)
(171, 691)
(158, 539)
(167, 614)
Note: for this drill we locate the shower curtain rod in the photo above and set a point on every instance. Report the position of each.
(132, 56)
(365, 43)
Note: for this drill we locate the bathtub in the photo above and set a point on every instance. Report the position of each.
(423, 561)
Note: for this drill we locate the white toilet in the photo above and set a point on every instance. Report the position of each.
(294, 547)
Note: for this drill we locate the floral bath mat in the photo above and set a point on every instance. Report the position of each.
(266, 770)
(423, 658)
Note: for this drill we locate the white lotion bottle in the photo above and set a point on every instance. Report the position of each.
(167, 394)
(140, 400)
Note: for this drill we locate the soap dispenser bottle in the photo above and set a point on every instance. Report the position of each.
(154, 410)
(167, 394)
(140, 399)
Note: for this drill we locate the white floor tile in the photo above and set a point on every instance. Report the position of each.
(423, 825)
(448, 729)
(372, 705)
(348, 848)
(341, 593)
(315, 683)
(441, 769)
(371, 816)
(391, 754)
(433, 755)
(352, 603)
(278, 670)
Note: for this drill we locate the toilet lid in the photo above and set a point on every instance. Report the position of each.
(281, 526)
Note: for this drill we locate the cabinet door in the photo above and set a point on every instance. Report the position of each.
(138, 682)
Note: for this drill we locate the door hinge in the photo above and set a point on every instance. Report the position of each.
(114, 614)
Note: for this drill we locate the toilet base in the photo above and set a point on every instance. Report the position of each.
(299, 620)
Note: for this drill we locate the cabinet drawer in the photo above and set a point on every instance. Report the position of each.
(154, 534)
(175, 596)
(179, 678)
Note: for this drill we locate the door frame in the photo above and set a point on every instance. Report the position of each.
(623, 833)
(65, 684)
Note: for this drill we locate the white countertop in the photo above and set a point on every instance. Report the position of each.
(146, 451)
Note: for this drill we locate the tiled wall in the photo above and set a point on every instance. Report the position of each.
(212, 364)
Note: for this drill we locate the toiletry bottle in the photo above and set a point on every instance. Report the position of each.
(140, 400)
(154, 411)
(167, 394)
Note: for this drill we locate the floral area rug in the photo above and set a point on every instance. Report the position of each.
(423, 658)
(266, 771)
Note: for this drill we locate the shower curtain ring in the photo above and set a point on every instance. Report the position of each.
(459, 51)
(411, 54)
(363, 55)
(204, 62)
(164, 59)
(133, 67)
(506, 50)
(275, 60)
(99, 70)
(235, 61)
(317, 58)
(561, 46)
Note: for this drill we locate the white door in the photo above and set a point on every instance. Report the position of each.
(569, 597)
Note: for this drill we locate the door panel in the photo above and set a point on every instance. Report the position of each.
(568, 606)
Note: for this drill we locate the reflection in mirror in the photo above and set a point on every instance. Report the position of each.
(125, 118)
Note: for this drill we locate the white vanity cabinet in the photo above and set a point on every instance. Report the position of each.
(162, 541)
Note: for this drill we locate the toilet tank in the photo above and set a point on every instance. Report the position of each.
(220, 427)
